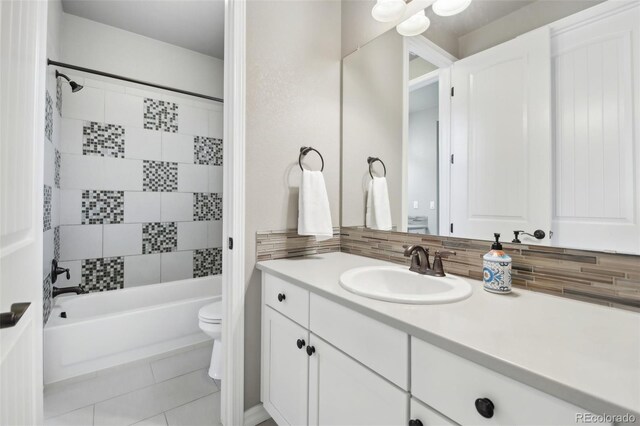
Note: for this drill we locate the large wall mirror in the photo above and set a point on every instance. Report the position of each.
(518, 117)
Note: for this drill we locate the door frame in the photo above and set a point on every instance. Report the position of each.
(439, 57)
(233, 257)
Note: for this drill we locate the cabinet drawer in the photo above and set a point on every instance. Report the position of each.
(451, 385)
(286, 298)
(383, 349)
(427, 415)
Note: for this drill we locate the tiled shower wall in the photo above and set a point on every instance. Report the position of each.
(140, 186)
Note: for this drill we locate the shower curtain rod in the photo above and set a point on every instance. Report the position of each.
(131, 80)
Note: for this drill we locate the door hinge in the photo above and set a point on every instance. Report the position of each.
(230, 243)
(453, 91)
(451, 228)
(451, 158)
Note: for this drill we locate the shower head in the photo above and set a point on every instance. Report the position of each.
(75, 87)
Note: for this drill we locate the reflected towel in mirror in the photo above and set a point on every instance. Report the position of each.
(314, 214)
(378, 214)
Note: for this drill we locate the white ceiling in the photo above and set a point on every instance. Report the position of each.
(193, 24)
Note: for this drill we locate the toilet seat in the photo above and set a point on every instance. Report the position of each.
(211, 313)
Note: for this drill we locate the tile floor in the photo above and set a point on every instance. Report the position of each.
(175, 390)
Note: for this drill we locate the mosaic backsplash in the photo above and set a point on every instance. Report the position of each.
(282, 244)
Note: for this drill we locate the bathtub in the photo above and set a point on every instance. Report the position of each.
(103, 330)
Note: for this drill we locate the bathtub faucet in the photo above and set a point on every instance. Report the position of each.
(58, 291)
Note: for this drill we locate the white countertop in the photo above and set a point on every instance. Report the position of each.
(584, 353)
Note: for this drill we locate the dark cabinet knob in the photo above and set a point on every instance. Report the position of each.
(485, 407)
(281, 297)
(300, 343)
(415, 422)
(311, 350)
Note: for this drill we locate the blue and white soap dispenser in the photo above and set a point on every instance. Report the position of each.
(497, 269)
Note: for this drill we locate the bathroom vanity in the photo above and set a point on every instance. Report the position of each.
(333, 357)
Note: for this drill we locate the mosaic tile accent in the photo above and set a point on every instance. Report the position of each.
(283, 244)
(102, 207)
(46, 211)
(105, 140)
(59, 96)
(595, 277)
(56, 243)
(58, 162)
(207, 151)
(160, 115)
(159, 176)
(102, 274)
(159, 237)
(47, 298)
(207, 262)
(48, 117)
(207, 206)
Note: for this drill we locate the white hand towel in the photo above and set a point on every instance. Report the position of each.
(314, 215)
(378, 214)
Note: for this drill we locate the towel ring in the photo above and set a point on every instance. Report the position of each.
(372, 160)
(304, 150)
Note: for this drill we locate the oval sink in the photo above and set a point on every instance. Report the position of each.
(399, 285)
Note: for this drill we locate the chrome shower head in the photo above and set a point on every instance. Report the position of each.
(75, 87)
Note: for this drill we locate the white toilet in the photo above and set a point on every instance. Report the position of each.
(210, 317)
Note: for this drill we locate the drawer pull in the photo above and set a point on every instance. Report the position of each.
(485, 407)
(281, 297)
(415, 422)
(311, 350)
(300, 343)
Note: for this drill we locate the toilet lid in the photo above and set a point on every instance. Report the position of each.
(211, 312)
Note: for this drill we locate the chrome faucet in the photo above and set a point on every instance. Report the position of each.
(420, 260)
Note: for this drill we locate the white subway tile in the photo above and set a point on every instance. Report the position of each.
(70, 206)
(193, 177)
(192, 235)
(49, 163)
(87, 104)
(55, 206)
(141, 207)
(141, 270)
(82, 172)
(177, 265)
(71, 136)
(122, 174)
(215, 124)
(177, 147)
(193, 121)
(122, 240)
(215, 179)
(80, 242)
(142, 144)
(176, 207)
(123, 109)
(214, 233)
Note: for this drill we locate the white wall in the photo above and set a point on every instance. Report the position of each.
(293, 99)
(94, 45)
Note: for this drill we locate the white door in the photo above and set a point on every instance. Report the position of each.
(23, 27)
(285, 377)
(344, 392)
(501, 140)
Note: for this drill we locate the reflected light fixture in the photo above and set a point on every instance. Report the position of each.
(388, 10)
(415, 25)
(449, 7)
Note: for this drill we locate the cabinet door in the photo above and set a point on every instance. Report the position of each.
(427, 415)
(344, 392)
(285, 369)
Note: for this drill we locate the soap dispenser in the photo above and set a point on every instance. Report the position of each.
(497, 269)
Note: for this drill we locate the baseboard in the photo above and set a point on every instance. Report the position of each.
(255, 415)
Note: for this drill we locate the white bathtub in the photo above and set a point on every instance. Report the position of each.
(107, 329)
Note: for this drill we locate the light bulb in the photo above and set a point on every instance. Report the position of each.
(450, 7)
(388, 10)
(415, 25)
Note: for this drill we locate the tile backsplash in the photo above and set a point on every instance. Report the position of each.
(283, 244)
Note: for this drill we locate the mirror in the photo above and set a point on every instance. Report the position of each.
(474, 127)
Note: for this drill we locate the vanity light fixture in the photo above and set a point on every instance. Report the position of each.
(449, 7)
(415, 25)
(388, 10)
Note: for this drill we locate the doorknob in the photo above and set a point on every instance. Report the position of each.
(9, 319)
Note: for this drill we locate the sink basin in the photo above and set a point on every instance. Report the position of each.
(399, 285)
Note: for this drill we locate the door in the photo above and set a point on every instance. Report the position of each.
(344, 392)
(501, 140)
(23, 27)
(285, 378)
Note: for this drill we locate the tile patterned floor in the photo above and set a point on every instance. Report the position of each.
(172, 391)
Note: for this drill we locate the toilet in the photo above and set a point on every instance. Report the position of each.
(210, 318)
